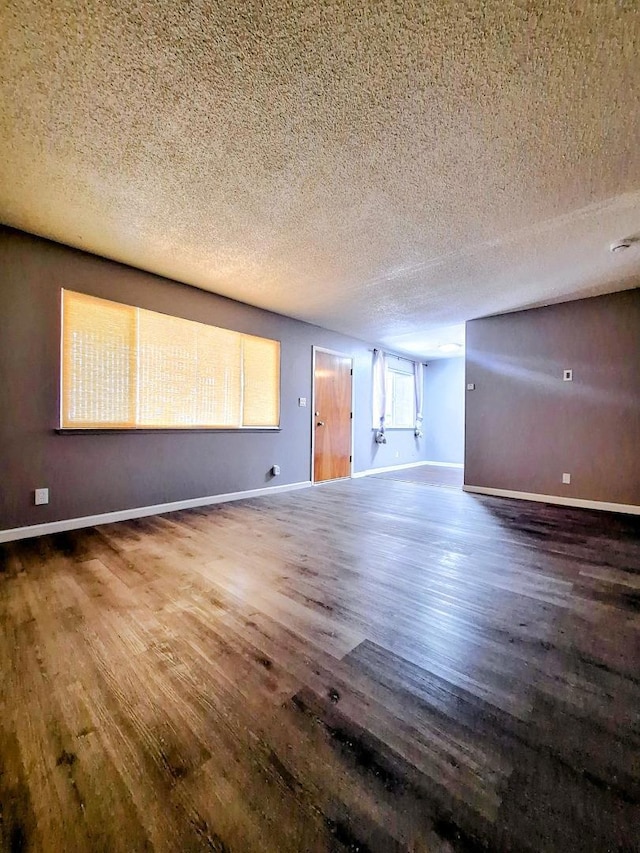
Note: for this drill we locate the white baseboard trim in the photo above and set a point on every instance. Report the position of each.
(554, 499)
(142, 511)
(369, 471)
(445, 464)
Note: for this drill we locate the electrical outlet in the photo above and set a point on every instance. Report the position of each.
(41, 496)
(566, 479)
(275, 470)
(471, 386)
(302, 402)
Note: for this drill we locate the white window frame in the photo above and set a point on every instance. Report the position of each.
(395, 367)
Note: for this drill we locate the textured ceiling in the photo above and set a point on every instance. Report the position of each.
(381, 169)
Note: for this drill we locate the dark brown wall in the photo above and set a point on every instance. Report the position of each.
(91, 474)
(525, 426)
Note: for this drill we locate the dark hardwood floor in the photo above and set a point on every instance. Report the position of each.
(364, 666)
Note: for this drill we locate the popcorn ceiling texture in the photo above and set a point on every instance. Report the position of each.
(377, 168)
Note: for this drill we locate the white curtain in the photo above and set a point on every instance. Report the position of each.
(418, 379)
(379, 395)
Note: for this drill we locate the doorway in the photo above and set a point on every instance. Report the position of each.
(332, 415)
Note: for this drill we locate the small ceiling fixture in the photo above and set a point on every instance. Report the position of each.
(625, 243)
(449, 347)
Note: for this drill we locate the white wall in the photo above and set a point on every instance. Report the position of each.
(444, 392)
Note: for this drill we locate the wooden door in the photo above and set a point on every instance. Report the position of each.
(332, 416)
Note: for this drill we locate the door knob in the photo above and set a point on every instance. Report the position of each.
(320, 423)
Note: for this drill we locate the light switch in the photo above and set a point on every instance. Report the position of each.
(41, 497)
(568, 376)
(302, 402)
(471, 386)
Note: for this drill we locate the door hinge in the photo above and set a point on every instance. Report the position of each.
(351, 415)
(351, 371)
(351, 459)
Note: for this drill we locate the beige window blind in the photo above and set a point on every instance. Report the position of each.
(261, 365)
(129, 368)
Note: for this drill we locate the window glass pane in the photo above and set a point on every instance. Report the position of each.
(99, 362)
(388, 412)
(219, 377)
(400, 398)
(403, 400)
(261, 381)
(167, 371)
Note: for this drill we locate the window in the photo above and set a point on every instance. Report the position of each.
(400, 395)
(129, 368)
(397, 394)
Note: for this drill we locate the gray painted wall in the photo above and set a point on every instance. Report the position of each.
(90, 474)
(444, 410)
(525, 426)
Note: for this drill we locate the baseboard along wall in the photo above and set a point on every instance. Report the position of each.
(555, 499)
(140, 512)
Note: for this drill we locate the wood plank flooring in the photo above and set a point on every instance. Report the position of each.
(370, 665)
(427, 475)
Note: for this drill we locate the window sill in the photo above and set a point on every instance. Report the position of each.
(394, 429)
(163, 430)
